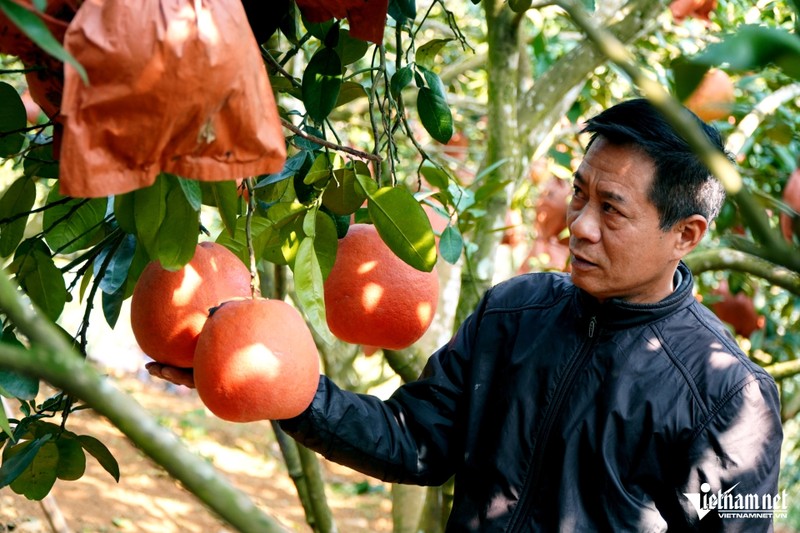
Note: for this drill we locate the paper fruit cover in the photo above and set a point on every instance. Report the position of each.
(175, 86)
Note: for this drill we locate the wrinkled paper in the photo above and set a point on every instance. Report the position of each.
(177, 86)
(367, 18)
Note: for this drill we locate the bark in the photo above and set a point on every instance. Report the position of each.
(302, 463)
(735, 260)
(503, 40)
(543, 105)
(407, 502)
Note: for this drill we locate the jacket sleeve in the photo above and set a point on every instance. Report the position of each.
(409, 438)
(735, 462)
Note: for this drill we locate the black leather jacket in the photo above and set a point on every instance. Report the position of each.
(558, 413)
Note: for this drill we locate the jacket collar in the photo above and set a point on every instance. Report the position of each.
(618, 314)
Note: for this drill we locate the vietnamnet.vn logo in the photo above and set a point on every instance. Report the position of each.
(732, 505)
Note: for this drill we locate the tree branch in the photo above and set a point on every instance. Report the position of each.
(52, 358)
(322, 142)
(729, 259)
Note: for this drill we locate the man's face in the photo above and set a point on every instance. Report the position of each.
(617, 248)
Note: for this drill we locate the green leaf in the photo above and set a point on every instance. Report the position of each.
(404, 227)
(112, 306)
(4, 425)
(403, 9)
(462, 198)
(42, 281)
(227, 201)
(435, 115)
(349, 92)
(451, 243)
(138, 264)
(99, 451)
(12, 118)
(36, 481)
(166, 224)
(436, 176)
(308, 145)
(309, 287)
(290, 168)
(426, 54)
(32, 26)
(15, 384)
(260, 228)
(322, 81)
(288, 241)
(687, 76)
(366, 184)
(124, 213)
(433, 82)
(318, 29)
(149, 209)
(326, 242)
(18, 199)
(18, 385)
(116, 272)
(754, 47)
(400, 80)
(349, 48)
(40, 163)
(74, 225)
(519, 6)
(191, 189)
(177, 236)
(17, 458)
(342, 196)
(320, 170)
(71, 458)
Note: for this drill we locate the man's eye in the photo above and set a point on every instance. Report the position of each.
(608, 208)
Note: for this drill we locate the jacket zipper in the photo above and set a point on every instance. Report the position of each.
(532, 480)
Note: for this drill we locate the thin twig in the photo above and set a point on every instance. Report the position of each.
(322, 142)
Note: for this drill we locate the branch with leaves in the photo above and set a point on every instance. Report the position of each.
(51, 357)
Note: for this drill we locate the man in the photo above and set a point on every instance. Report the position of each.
(608, 399)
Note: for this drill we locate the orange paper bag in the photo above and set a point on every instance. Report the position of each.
(367, 18)
(174, 85)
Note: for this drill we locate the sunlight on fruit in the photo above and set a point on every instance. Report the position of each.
(187, 289)
(425, 312)
(371, 297)
(366, 267)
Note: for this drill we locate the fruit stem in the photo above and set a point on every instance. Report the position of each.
(251, 207)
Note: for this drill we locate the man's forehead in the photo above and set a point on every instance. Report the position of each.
(606, 188)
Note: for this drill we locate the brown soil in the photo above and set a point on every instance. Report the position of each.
(146, 499)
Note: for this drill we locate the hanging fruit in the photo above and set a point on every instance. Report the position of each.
(791, 197)
(713, 99)
(699, 9)
(182, 90)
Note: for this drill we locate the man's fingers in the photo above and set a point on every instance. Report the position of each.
(178, 376)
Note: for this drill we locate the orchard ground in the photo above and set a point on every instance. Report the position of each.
(148, 500)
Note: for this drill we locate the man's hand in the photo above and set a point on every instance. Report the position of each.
(178, 376)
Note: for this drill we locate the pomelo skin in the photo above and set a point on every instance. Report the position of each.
(256, 360)
(168, 309)
(374, 298)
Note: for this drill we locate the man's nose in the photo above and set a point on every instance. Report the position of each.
(584, 224)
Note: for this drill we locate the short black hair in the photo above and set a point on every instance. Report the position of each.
(682, 185)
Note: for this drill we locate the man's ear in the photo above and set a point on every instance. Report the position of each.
(690, 232)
